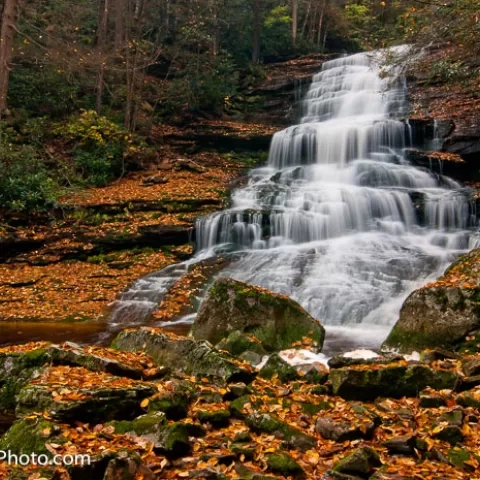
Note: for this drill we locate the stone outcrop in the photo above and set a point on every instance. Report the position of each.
(277, 321)
(181, 353)
(442, 314)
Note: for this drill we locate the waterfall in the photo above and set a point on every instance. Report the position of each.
(338, 219)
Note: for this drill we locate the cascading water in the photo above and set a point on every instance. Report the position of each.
(338, 219)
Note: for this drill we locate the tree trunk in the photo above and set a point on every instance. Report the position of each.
(102, 44)
(257, 29)
(294, 21)
(305, 20)
(11, 9)
(320, 21)
(119, 24)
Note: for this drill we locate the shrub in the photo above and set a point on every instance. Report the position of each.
(24, 184)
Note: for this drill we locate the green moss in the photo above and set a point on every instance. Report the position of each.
(29, 436)
(174, 405)
(148, 423)
(284, 464)
(219, 418)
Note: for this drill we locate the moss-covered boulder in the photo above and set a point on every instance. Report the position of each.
(277, 321)
(268, 423)
(392, 380)
(16, 369)
(284, 464)
(72, 394)
(147, 426)
(32, 435)
(361, 462)
(182, 354)
(239, 342)
(470, 398)
(441, 314)
(276, 367)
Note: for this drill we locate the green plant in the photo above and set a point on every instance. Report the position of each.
(25, 184)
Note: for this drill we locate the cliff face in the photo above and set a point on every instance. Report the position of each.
(444, 89)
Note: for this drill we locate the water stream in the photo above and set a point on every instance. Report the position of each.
(337, 219)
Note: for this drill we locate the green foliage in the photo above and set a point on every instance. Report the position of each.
(25, 184)
(276, 38)
(445, 71)
(101, 147)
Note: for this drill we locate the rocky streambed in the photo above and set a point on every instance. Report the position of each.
(248, 396)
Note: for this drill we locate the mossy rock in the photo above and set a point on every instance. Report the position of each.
(362, 462)
(442, 314)
(277, 321)
(470, 398)
(284, 464)
(182, 354)
(144, 425)
(31, 435)
(174, 440)
(266, 423)
(459, 456)
(16, 370)
(239, 342)
(390, 380)
(277, 367)
(218, 418)
(174, 404)
(96, 405)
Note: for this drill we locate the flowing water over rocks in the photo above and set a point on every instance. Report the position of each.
(338, 219)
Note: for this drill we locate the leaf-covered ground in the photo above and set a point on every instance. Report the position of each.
(71, 266)
(242, 442)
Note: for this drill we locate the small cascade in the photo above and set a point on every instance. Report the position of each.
(338, 219)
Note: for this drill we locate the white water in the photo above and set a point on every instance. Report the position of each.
(338, 219)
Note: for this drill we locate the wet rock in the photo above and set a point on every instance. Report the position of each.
(125, 467)
(468, 383)
(16, 369)
(277, 367)
(470, 398)
(218, 418)
(442, 314)
(361, 462)
(284, 464)
(293, 437)
(147, 426)
(182, 354)
(174, 403)
(395, 380)
(471, 366)
(431, 399)
(239, 342)
(73, 354)
(174, 441)
(245, 473)
(448, 426)
(277, 321)
(32, 435)
(98, 403)
(401, 445)
(363, 425)
(339, 361)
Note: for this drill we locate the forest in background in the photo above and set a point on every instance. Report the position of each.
(83, 82)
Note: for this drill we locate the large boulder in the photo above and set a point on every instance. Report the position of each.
(277, 321)
(445, 313)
